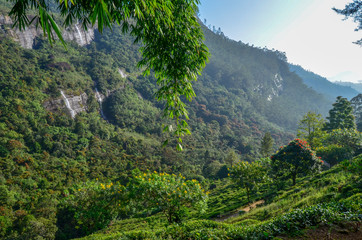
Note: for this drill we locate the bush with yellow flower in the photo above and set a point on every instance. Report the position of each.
(170, 194)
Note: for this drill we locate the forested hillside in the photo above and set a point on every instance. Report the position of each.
(259, 83)
(356, 86)
(47, 157)
(322, 85)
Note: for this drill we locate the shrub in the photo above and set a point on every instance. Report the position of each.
(89, 207)
(334, 153)
(354, 165)
(171, 194)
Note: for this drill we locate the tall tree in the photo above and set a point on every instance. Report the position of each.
(169, 30)
(294, 160)
(310, 128)
(267, 143)
(353, 10)
(341, 115)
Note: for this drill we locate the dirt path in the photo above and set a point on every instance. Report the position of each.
(235, 212)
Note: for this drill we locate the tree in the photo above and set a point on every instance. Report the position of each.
(294, 159)
(89, 207)
(169, 30)
(248, 175)
(267, 143)
(348, 138)
(310, 128)
(353, 10)
(339, 145)
(168, 193)
(341, 115)
(231, 158)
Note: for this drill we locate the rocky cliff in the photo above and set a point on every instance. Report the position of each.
(26, 38)
(71, 104)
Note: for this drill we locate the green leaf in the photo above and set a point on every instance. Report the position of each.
(164, 144)
(57, 31)
(179, 147)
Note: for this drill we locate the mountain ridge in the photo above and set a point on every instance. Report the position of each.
(45, 153)
(322, 84)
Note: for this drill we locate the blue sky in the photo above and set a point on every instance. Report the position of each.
(309, 31)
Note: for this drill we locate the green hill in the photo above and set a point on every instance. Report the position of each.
(45, 154)
(322, 85)
(355, 86)
(329, 200)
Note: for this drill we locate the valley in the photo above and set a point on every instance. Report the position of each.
(83, 153)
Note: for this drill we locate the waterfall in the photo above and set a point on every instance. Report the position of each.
(123, 74)
(100, 100)
(67, 104)
(80, 36)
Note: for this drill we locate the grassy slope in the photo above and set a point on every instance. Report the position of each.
(334, 185)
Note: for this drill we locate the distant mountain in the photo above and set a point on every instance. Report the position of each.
(345, 77)
(322, 85)
(355, 86)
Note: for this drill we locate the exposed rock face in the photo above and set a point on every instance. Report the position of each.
(26, 38)
(100, 97)
(273, 90)
(69, 103)
(77, 34)
(356, 103)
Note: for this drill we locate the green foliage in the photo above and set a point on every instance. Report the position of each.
(341, 115)
(354, 165)
(339, 145)
(294, 159)
(267, 143)
(249, 175)
(310, 129)
(89, 207)
(164, 51)
(315, 200)
(168, 193)
(44, 154)
(349, 138)
(289, 223)
(334, 153)
(127, 110)
(231, 158)
(247, 75)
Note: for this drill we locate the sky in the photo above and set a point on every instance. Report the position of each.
(309, 31)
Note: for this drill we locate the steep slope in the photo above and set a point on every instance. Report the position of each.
(68, 117)
(329, 199)
(258, 81)
(322, 85)
(355, 86)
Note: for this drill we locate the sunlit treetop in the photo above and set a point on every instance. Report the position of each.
(172, 39)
